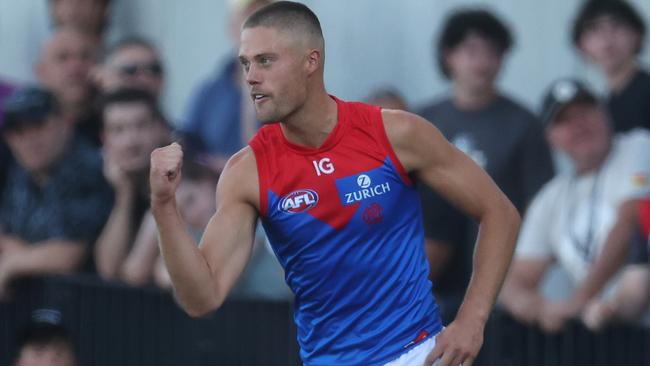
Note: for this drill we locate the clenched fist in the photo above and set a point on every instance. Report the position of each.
(165, 173)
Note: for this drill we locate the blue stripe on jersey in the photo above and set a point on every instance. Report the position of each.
(362, 293)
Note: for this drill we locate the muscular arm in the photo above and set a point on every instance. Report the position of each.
(203, 275)
(422, 150)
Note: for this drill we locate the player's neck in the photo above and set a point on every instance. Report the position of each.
(313, 122)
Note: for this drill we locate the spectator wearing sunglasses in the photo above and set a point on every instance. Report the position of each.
(56, 199)
(131, 63)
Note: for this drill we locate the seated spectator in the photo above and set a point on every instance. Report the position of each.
(5, 157)
(44, 342)
(221, 118)
(500, 135)
(580, 219)
(197, 203)
(388, 98)
(133, 127)
(630, 302)
(611, 34)
(55, 200)
(64, 67)
(131, 63)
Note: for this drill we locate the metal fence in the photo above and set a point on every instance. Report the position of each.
(112, 324)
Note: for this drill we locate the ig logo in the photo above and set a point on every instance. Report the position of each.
(363, 181)
(323, 166)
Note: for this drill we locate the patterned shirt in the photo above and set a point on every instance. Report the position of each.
(73, 204)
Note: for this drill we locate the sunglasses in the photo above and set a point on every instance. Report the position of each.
(130, 70)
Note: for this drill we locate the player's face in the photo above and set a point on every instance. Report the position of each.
(275, 70)
(474, 63)
(609, 42)
(582, 132)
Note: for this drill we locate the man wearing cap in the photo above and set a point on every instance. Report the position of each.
(580, 219)
(56, 199)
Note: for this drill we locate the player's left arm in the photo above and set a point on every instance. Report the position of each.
(423, 151)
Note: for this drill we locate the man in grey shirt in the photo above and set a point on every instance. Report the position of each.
(500, 135)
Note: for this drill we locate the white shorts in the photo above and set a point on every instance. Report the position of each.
(415, 356)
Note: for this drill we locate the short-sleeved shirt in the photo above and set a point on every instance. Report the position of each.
(570, 218)
(73, 204)
(630, 108)
(508, 142)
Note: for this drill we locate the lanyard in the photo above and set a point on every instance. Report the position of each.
(584, 246)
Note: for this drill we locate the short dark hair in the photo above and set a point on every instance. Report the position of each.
(131, 95)
(618, 9)
(130, 41)
(465, 21)
(286, 15)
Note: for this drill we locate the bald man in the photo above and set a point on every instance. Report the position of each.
(333, 183)
(63, 67)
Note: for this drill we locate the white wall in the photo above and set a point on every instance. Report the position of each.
(369, 43)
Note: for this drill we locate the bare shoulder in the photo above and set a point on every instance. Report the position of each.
(239, 179)
(400, 124)
(415, 140)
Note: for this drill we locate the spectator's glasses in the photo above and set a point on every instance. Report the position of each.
(131, 70)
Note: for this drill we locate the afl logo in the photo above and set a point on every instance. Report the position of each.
(363, 181)
(298, 201)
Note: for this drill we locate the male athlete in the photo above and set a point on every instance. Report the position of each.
(333, 183)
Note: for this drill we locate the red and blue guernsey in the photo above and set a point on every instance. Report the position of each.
(345, 222)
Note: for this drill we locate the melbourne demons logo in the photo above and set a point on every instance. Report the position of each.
(298, 201)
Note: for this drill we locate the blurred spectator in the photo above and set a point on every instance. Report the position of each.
(611, 34)
(88, 16)
(500, 135)
(221, 116)
(388, 98)
(64, 68)
(630, 302)
(131, 63)
(55, 200)
(44, 342)
(5, 157)
(133, 127)
(581, 220)
(197, 204)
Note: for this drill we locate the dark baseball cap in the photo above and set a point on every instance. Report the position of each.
(562, 93)
(29, 105)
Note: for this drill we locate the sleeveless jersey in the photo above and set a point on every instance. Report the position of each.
(345, 222)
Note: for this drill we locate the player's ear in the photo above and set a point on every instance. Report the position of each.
(314, 60)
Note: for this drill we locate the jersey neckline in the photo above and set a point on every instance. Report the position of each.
(332, 139)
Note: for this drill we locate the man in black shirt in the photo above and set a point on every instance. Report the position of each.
(611, 34)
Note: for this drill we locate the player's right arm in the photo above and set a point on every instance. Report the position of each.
(203, 275)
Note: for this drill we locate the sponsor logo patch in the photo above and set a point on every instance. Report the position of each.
(298, 201)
